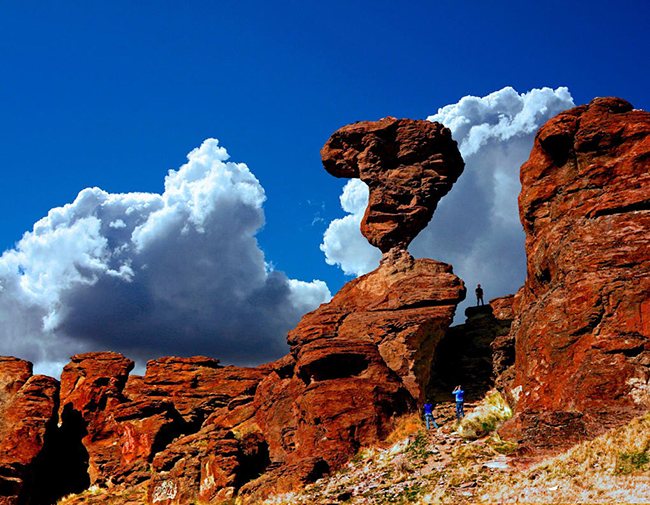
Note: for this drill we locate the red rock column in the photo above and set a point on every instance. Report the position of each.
(583, 332)
(27, 411)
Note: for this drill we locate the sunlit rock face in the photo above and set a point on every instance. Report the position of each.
(356, 364)
(408, 165)
(583, 327)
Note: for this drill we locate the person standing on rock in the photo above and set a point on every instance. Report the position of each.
(479, 295)
(428, 414)
(460, 399)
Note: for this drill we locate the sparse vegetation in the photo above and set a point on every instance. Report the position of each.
(501, 446)
(486, 418)
(614, 467)
(418, 450)
(438, 466)
(633, 461)
(406, 426)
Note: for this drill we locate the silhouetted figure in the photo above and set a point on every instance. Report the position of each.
(428, 414)
(460, 399)
(479, 295)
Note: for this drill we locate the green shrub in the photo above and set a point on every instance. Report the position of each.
(629, 462)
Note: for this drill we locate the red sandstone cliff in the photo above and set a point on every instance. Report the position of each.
(583, 327)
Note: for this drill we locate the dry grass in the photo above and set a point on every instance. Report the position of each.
(406, 426)
(614, 467)
(486, 417)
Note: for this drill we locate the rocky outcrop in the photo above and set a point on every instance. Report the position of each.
(27, 410)
(355, 364)
(181, 415)
(408, 165)
(583, 326)
(223, 447)
(475, 354)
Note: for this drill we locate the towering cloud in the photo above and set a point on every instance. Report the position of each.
(476, 227)
(153, 274)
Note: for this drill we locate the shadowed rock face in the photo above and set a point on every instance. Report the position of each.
(474, 354)
(408, 165)
(583, 327)
(27, 409)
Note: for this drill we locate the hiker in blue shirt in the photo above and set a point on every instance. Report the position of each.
(428, 414)
(460, 398)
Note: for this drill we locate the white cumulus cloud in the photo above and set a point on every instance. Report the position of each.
(476, 226)
(145, 274)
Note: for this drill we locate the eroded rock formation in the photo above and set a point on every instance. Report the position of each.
(583, 327)
(355, 364)
(407, 164)
(192, 430)
(27, 410)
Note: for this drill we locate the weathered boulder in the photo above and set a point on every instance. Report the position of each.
(583, 325)
(27, 412)
(408, 165)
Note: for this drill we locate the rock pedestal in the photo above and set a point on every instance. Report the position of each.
(356, 363)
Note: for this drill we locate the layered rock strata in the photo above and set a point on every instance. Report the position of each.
(583, 327)
(408, 166)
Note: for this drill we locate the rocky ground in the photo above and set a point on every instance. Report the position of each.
(416, 466)
(438, 466)
(426, 465)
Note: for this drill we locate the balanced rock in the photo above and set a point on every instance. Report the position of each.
(408, 165)
(583, 327)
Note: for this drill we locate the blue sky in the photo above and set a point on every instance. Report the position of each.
(113, 95)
